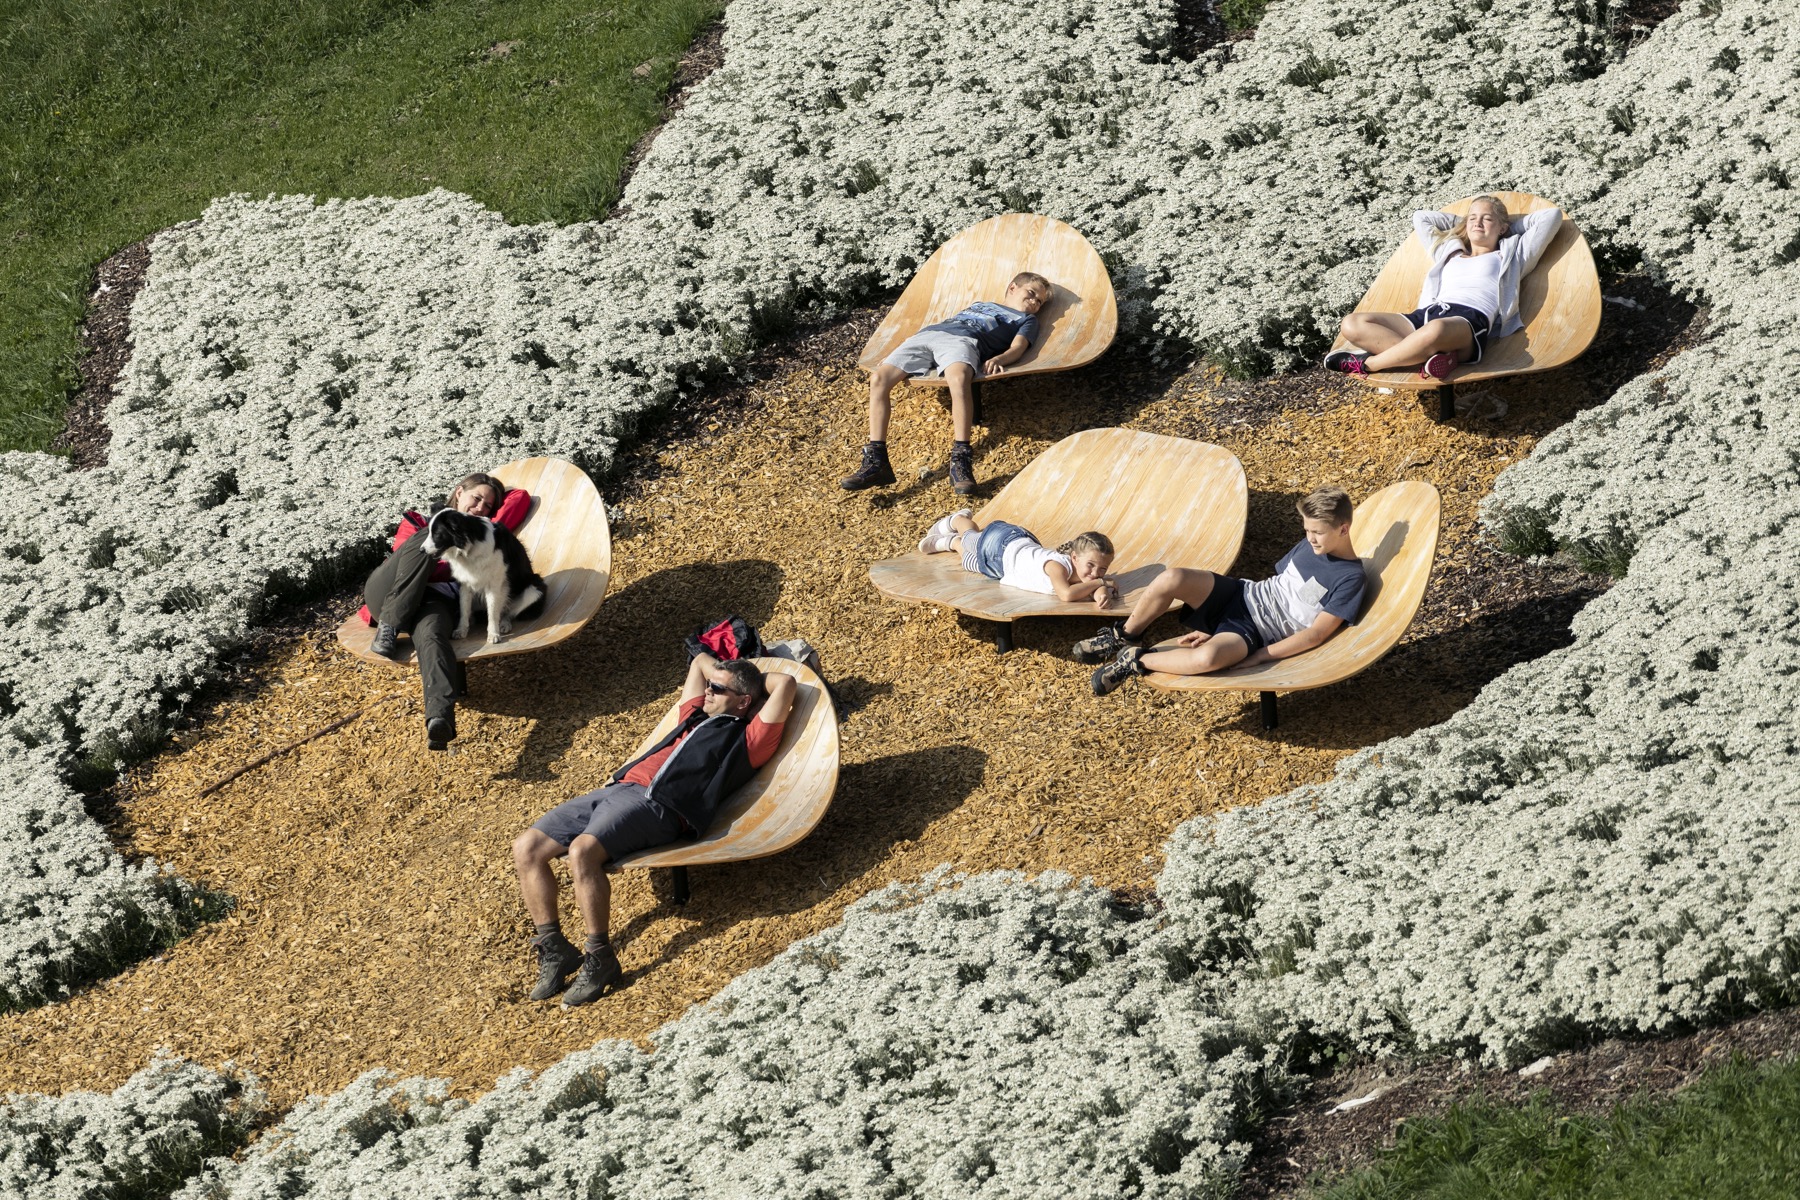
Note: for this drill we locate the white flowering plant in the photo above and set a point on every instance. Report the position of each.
(1601, 842)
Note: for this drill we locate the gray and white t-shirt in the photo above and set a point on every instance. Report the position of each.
(1304, 585)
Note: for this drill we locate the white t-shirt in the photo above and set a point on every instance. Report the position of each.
(1473, 282)
(1022, 566)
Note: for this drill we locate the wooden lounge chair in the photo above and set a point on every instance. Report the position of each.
(1559, 302)
(1075, 326)
(1163, 501)
(570, 545)
(1395, 533)
(780, 805)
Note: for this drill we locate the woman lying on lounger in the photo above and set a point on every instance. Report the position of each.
(1471, 291)
(1009, 554)
(411, 590)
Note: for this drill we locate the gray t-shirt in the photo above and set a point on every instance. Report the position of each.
(993, 326)
(1303, 586)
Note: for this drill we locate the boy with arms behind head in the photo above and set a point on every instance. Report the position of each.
(981, 340)
(1316, 590)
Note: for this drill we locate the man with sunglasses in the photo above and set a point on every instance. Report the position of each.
(670, 792)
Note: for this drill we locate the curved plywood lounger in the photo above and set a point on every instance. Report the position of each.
(1074, 328)
(1559, 302)
(1395, 533)
(1163, 501)
(780, 805)
(570, 545)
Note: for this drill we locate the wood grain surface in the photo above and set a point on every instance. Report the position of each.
(570, 544)
(1395, 533)
(1074, 328)
(1559, 301)
(1164, 501)
(784, 800)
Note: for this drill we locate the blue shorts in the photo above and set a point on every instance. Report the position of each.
(1224, 611)
(986, 553)
(620, 816)
(1478, 322)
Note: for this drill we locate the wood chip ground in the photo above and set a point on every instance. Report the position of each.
(378, 922)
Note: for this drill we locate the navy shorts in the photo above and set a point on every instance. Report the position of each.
(620, 816)
(1224, 611)
(1478, 322)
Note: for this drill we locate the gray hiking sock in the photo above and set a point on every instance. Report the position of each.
(594, 943)
(551, 927)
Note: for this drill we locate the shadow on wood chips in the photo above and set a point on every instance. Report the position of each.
(378, 922)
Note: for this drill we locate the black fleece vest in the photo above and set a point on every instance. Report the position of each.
(712, 763)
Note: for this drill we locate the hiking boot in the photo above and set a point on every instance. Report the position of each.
(1438, 366)
(440, 732)
(600, 970)
(874, 472)
(557, 960)
(962, 471)
(1347, 362)
(387, 641)
(1105, 644)
(937, 539)
(1108, 678)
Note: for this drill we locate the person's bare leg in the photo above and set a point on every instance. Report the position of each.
(962, 524)
(533, 851)
(1373, 332)
(961, 378)
(593, 892)
(1215, 654)
(1186, 584)
(1446, 333)
(881, 406)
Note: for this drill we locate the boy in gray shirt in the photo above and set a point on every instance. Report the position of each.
(981, 340)
(1317, 589)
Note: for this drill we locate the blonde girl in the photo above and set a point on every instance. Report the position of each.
(1471, 291)
(1009, 554)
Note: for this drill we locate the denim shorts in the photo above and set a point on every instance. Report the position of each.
(1224, 611)
(1478, 323)
(986, 553)
(620, 816)
(930, 351)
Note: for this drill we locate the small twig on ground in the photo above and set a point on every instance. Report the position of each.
(210, 788)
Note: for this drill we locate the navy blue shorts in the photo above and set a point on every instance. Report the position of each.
(1478, 322)
(1224, 611)
(620, 816)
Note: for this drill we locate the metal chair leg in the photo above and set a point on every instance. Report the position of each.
(1268, 710)
(1003, 642)
(1446, 402)
(678, 879)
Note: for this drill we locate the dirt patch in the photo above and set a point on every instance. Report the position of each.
(378, 922)
(1312, 1141)
(106, 348)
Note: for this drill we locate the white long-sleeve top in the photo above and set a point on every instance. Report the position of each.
(1520, 250)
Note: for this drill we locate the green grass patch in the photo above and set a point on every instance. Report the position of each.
(122, 117)
(1240, 15)
(1733, 1135)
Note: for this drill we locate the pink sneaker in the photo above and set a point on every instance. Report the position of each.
(1348, 362)
(1438, 366)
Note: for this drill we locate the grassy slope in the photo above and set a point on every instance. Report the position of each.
(120, 117)
(1735, 1134)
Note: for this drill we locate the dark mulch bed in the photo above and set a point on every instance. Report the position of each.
(1310, 1141)
(106, 345)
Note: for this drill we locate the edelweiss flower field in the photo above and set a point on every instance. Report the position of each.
(1134, 923)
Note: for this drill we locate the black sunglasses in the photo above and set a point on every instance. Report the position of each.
(719, 689)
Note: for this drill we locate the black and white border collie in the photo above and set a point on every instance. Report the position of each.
(485, 557)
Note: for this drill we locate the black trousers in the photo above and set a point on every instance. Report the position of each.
(399, 593)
